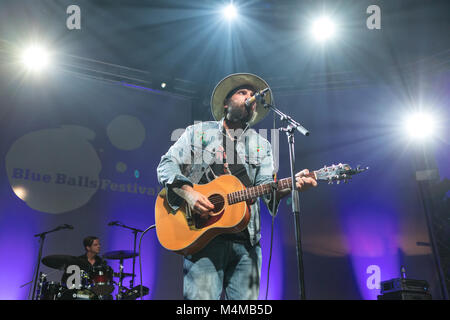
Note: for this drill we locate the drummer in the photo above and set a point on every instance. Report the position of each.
(90, 258)
(92, 246)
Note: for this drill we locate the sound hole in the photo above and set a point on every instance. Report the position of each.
(218, 201)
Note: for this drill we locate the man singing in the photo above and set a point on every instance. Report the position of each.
(230, 263)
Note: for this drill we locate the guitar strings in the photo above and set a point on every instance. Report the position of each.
(219, 199)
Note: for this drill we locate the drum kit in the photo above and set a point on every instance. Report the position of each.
(81, 280)
(96, 282)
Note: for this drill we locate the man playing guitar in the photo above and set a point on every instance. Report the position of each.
(228, 263)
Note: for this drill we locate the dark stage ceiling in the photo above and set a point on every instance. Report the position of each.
(189, 45)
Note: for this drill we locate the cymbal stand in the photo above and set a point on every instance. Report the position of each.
(38, 263)
(119, 292)
(135, 232)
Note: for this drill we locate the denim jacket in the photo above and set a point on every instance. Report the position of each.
(198, 147)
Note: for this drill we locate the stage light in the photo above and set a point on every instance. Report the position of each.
(163, 85)
(21, 192)
(323, 29)
(230, 12)
(35, 58)
(420, 125)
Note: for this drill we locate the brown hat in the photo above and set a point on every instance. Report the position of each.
(233, 81)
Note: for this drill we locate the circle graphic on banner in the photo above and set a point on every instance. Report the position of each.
(54, 170)
(126, 132)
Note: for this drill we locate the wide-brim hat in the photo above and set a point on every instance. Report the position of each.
(233, 81)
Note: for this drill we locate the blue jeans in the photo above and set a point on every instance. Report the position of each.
(223, 265)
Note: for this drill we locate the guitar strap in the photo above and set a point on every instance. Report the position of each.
(237, 169)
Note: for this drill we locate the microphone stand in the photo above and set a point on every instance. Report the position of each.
(135, 232)
(291, 128)
(38, 264)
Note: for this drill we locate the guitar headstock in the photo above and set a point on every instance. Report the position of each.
(338, 173)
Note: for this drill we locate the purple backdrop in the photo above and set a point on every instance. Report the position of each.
(99, 145)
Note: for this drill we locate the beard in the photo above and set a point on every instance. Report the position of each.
(237, 113)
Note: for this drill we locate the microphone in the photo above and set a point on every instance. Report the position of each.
(257, 96)
(66, 226)
(113, 223)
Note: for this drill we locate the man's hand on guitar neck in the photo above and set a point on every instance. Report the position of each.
(302, 182)
(197, 202)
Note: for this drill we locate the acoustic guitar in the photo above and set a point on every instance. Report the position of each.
(185, 233)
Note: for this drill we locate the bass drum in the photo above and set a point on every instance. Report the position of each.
(77, 294)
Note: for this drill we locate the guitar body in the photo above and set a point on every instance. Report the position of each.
(186, 233)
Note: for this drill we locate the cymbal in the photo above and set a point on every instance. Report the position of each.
(61, 261)
(119, 255)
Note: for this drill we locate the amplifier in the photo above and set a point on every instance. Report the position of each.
(405, 295)
(404, 289)
(403, 284)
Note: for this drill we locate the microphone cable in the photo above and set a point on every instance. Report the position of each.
(140, 260)
(271, 241)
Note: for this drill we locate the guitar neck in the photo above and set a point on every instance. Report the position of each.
(257, 191)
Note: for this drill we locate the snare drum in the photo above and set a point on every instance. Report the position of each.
(102, 280)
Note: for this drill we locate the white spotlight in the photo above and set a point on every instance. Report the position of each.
(35, 58)
(163, 85)
(323, 29)
(21, 192)
(230, 12)
(420, 125)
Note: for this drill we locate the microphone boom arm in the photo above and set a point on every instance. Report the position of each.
(292, 124)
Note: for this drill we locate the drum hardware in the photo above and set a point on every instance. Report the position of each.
(50, 290)
(120, 291)
(41, 246)
(135, 231)
(121, 255)
(124, 275)
(47, 290)
(134, 293)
